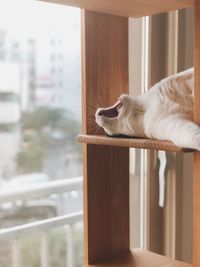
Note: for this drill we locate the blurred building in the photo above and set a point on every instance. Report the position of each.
(35, 71)
(58, 72)
(50, 69)
(10, 116)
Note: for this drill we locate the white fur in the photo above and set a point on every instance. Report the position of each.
(165, 112)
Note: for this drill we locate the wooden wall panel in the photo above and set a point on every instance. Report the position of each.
(106, 169)
(196, 176)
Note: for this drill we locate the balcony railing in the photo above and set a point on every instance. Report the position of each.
(37, 191)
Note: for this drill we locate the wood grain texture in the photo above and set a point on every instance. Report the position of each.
(127, 8)
(196, 167)
(106, 63)
(132, 142)
(157, 71)
(141, 258)
(106, 169)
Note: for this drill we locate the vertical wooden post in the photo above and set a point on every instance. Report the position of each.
(196, 178)
(106, 169)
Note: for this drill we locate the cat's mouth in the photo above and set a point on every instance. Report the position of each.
(111, 112)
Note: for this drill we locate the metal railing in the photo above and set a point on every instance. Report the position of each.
(41, 190)
(37, 191)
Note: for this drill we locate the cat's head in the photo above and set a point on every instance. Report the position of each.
(124, 117)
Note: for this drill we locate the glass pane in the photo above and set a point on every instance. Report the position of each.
(40, 117)
(6, 254)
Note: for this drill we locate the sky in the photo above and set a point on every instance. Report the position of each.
(23, 19)
(20, 17)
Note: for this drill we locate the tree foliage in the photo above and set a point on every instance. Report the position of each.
(31, 156)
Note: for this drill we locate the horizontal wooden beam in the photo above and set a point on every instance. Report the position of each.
(141, 258)
(127, 8)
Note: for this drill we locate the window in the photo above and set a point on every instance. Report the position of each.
(40, 161)
(170, 224)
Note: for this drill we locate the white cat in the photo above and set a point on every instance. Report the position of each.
(165, 112)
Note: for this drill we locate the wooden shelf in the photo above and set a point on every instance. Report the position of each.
(131, 142)
(141, 258)
(128, 8)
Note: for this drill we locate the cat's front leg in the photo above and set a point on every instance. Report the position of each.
(182, 132)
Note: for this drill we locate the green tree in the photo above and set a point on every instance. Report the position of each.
(30, 157)
(44, 116)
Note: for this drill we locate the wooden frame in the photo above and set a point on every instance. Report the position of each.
(106, 169)
(106, 177)
(127, 8)
(196, 178)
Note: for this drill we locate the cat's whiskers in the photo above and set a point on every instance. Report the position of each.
(97, 129)
(93, 107)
